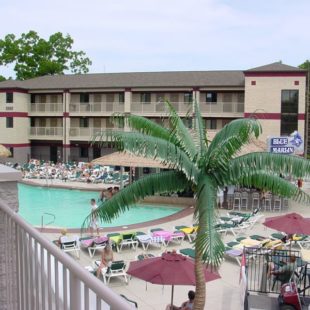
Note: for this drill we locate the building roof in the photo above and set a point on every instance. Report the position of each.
(131, 80)
(275, 67)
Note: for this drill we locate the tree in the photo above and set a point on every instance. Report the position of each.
(305, 65)
(2, 78)
(205, 167)
(34, 56)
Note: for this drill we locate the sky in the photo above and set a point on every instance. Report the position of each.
(169, 35)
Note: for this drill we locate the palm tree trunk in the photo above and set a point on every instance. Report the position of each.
(200, 297)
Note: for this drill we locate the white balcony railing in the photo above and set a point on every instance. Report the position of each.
(46, 107)
(95, 107)
(38, 275)
(222, 107)
(89, 132)
(159, 107)
(46, 131)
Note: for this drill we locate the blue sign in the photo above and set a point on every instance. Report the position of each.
(292, 144)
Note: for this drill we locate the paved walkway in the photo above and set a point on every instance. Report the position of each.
(223, 294)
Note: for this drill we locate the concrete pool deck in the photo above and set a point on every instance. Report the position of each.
(222, 294)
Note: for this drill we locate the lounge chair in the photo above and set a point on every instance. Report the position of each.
(70, 244)
(117, 269)
(147, 240)
(189, 252)
(94, 244)
(189, 232)
(144, 256)
(128, 239)
(115, 239)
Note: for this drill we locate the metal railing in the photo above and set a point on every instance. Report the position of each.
(95, 107)
(159, 107)
(222, 107)
(46, 131)
(89, 131)
(40, 276)
(260, 263)
(46, 107)
(49, 223)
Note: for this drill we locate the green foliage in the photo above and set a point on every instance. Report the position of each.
(2, 78)
(305, 65)
(34, 56)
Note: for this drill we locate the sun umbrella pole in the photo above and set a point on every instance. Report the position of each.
(172, 292)
(121, 174)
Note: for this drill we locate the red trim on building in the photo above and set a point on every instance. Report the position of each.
(13, 114)
(273, 116)
(14, 90)
(253, 82)
(196, 88)
(127, 89)
(17, 145)
(296, 82)
(66, 114)
(301, 117)
(274, 74)
(67, 146)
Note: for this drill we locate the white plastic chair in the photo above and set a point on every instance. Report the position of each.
(70, 244)
(237, 201)
(277, 203)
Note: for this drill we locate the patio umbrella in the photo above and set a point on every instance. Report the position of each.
(291, 223)
(168, 269)
(4, 152)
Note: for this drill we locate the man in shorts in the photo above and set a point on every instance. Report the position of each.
(94, 221)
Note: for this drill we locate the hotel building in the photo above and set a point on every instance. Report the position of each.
(54, 117)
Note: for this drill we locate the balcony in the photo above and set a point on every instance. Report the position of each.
(46, 109)
(86, 134)
(38, 275)
(222, 109)
(93, 108)
(159, 108)
(47, 133)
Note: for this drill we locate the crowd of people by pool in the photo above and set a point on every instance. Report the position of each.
(70, 171)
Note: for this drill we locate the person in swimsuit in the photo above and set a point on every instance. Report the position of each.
(106, 259)
(186, 305)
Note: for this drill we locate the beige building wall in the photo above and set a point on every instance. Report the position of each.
(265, 96)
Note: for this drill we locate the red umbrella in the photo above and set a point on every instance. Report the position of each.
(291, 223)
(168, 269)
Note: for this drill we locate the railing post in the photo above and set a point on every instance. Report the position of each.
(75, 292)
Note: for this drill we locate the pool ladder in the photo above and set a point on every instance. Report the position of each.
(49, 223)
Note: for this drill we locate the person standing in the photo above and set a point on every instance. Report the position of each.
(94, 219)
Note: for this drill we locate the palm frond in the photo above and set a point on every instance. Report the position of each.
(152, 147)
(286, 165)
(144, 125)
(163, 182)
(208, 242)
(265, 181)
(230, 140)
(179, 130)
(200, 130)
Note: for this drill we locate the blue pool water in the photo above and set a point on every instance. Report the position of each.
(72, 206)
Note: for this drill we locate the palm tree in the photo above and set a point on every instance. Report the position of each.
(205, 167)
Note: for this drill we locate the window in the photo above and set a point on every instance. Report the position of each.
(54, 98)
(84, 122)
(121, 97)
(9, 97)
(211, 124)
(211, 97)
(145, 97)
(32, 98)
(42, 122)
(188, 122)
(32, 122)
(9, 122)
(188, 97)
(84, 151)
(289, 111)
(227, 97)
(43, 99)
(11, 149)
(84, 97)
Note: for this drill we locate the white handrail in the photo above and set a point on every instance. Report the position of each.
(25, 235)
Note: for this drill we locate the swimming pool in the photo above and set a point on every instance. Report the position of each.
(72, 206)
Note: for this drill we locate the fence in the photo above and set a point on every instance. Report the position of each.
(259, 263)
(38, 275)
